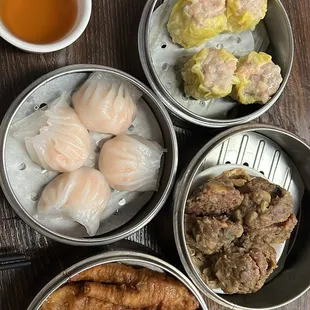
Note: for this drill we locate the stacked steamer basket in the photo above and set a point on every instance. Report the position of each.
(23, 180)
(271, 153)
(283, 159)
(161, 60)
(133, 258)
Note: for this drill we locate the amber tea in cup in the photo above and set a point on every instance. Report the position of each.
(38, 21)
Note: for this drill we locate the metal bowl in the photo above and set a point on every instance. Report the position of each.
(126, 257)
(227, 113)
(285, 160)
(22, 180)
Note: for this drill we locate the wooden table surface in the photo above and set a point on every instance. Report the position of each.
(108, 40)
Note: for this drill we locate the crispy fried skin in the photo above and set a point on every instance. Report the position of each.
(117, 274)
(62, 298)
(167, 294)
(86, 303)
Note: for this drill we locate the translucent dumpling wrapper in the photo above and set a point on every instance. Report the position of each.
(209, 74)
(258, 78)
(244, 15)
(106, 104)
(131, 163)
(81, 195)
(55, 138)
(192, 22)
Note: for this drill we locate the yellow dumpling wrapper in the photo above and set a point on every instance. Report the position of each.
(194, 78)
(239, 19)
(255, 60)
(185, 32)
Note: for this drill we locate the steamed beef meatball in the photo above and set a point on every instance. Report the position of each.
(213, 198)
(263, 206)
(245, 270)
(258, 78)
(192, 22)
(244, 14)
(210, 234)
(276, 233)
(209, 74)
(237, 177)
(260, 184)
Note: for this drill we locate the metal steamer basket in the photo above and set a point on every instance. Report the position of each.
(131, 258)
(273, 35)
(285, 160)
(22, 181)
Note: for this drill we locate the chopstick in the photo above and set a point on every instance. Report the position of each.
(13, 261)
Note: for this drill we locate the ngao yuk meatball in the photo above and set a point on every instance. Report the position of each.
(213, 198)
(245, 270)
(210, 234)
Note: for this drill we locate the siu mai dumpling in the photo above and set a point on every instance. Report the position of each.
(55, 138)
(106, 104)
(81, 195)
(192, 22)
(131, 163)
(243, 15)
(258, 78)
(209, 74)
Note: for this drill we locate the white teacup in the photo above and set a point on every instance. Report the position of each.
(83, 16)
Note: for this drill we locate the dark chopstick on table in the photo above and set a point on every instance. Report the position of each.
(13, 261)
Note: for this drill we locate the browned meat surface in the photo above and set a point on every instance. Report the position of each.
(210, 234)
(276, 233)
(213, 198)
(263, 206)
(243, 271)
(260, 184)
(231, 222)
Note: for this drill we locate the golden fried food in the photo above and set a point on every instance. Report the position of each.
(86, 303)
(119, 287)
(62, 298)
(116, 273)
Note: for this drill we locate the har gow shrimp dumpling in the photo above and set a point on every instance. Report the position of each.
(192, 22)
(243, 15)
(105, 104)
(131, 163)
(81, 195)
(209, 74)
(55, 139)
(258, 78)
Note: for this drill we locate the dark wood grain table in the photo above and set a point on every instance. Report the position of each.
(109, 40)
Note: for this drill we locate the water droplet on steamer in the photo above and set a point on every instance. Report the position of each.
(22, 166)
(34, 197)
(165, 66)
(122, 201)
